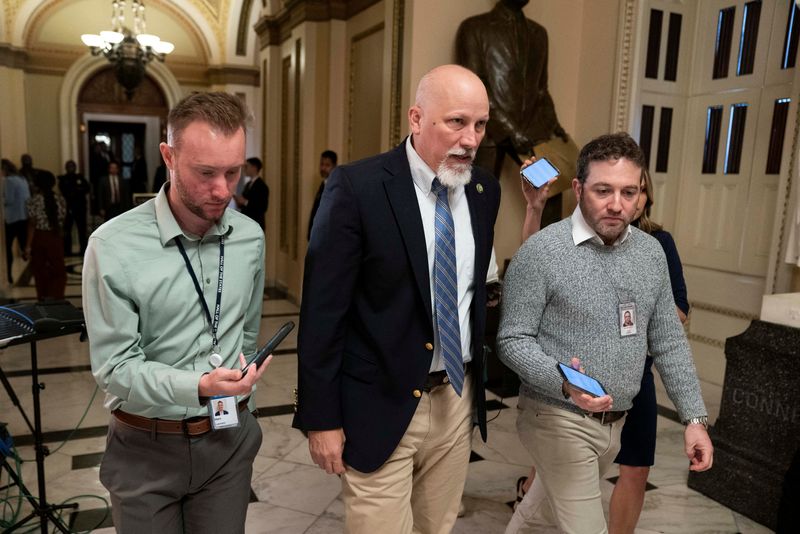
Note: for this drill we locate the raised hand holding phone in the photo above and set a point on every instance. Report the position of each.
(540, 172)
(535, 199)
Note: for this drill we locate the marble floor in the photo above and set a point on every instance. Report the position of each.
(289, 493)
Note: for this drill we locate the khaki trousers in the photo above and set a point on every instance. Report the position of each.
(418, 489)
(571, 453)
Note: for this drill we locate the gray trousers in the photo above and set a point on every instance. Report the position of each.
(176, 484)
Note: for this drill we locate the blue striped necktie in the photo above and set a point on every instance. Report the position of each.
(445, 289)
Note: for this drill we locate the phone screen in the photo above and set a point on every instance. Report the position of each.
(540, 172)
(581, 381)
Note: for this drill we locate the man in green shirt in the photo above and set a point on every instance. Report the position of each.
(166, 334)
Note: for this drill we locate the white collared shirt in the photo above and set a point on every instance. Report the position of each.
(465, 248)
(581, 231)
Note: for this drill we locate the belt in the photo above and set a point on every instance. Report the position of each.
(440, 378)
(606, 418)
(193, 426)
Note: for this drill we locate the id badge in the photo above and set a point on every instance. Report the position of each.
(223, 412)
(627, 319)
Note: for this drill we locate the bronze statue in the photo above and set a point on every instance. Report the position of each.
(509, 53)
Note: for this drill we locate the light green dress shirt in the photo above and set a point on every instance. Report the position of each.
(149, 338)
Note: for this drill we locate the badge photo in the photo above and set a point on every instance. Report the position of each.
(627, 319)
(223, 412)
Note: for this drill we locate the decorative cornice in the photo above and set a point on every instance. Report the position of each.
(622, 92)
(275, 29)
(233, 74)
(13, 58)
(58, 60)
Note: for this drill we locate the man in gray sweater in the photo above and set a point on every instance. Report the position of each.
(567, 294)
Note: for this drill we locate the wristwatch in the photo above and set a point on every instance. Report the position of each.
(702, 420)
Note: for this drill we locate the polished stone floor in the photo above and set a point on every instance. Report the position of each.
(290, 494)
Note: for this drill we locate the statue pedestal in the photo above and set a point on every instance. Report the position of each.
(783, 308)
(758, 430)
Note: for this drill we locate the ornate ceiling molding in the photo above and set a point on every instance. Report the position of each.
(58, 61)
(12, 57)
(233, 74)
(275, 29)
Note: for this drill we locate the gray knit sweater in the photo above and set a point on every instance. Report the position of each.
(561, 301)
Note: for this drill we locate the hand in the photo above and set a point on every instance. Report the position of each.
(226, 382)
(326, 447)
(240, 200)
(26, 254)
(698, 447)
(584, 401)
(535, 198)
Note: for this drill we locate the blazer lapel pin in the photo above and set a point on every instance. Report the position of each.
(479, 188)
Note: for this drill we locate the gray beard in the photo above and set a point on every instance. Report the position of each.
(451, 177)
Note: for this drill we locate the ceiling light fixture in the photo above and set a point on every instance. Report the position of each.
(128, 51)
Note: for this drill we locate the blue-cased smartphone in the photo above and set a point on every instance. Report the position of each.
(581, 381)
(540, 172)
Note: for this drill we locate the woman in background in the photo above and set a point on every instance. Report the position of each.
(45, 247)
(638, 441)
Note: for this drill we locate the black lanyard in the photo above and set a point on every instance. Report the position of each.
(214, 324)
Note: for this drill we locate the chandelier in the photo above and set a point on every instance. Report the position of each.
(128, 51)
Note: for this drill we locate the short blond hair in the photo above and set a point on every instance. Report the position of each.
(223, 111)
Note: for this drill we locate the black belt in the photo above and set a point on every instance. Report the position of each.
(606, 418)
(440, 378)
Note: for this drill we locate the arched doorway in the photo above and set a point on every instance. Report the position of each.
(113, 127)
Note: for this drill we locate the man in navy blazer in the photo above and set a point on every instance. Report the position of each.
(373, 394)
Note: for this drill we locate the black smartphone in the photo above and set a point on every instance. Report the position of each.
(581, 381)
(540, 172)
(271, 345)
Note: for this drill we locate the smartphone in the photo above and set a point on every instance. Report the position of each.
(267, 349)
(540, 172)
(581, 381)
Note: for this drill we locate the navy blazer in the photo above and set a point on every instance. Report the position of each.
(366, 314)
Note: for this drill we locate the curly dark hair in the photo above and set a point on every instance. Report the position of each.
(609, 147)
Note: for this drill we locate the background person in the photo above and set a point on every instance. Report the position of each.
(254, 200)
(327, 162)
(638, 441)
(76, 190)
(113, 194)
(45, 246)
(16, 194)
